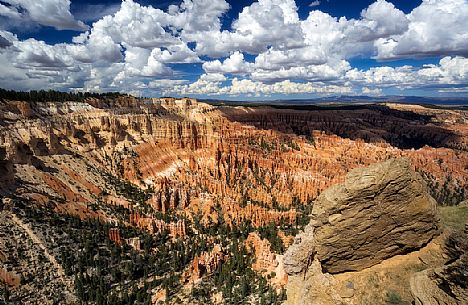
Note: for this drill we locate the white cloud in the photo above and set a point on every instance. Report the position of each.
(284, 87)
(155, 67)
(165, 83)
(94, 48)
(436, 27)
(54, 13)
(202, 87)
(234, 64)
(453, 90)
(314, 3)
(262, 24)
(9, 11)
(139, 36)
(449, 71)
(195, 16)
(272, 60)
(135, 25)
(382, 76)
(213, 77)
(175, 54)
(33, 64)
(94, 12)
(33, 53)
(380, 19)
(372, 92)
(332, 70)
(249, 87)
(104, 79)
(137, 46)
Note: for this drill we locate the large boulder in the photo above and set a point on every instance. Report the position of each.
(378, 212)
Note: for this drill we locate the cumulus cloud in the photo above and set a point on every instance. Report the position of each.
(33, 53)
(284, 87)
(175, 54)
(268, 48)
(195, 16)
(9, 11)
(213, 77)
(166, 83)
(272, 59)
(138, 35)
(234, 64)
(256, 22)
(94, 12)
(32, 64)
(449, 71)
(95, 48)
(4, 42)
(249, 87)
(314, 3)
(436, 27)
(264, 23)
(371, 92)
(135, 25)
(334, 69)
(380, 19)
(202, 86)
(54, 13)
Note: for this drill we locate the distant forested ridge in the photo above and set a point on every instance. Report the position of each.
(53, 96)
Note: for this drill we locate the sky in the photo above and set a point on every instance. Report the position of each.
(265, 49)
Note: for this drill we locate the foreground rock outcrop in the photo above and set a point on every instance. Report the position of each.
(378, 212)
(445, 284)
(367, 239)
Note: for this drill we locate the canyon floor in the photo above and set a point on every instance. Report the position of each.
(122, 200)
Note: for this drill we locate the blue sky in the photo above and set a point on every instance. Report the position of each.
(264, 49)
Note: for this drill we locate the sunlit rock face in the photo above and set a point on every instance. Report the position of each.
(378, 212)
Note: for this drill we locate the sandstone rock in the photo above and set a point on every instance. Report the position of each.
(378, 212)
(447, 284)
(206, 263)
(314, 288)
(265, 258)
(9, 278)
(7, 178)
(134, 242)
(266, 261)
(153, 225)
(114, 235)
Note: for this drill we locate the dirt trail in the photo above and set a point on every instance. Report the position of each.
(37, 241)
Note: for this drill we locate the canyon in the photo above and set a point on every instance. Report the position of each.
(154, 200)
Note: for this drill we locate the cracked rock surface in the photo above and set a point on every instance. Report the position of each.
(378, 212)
